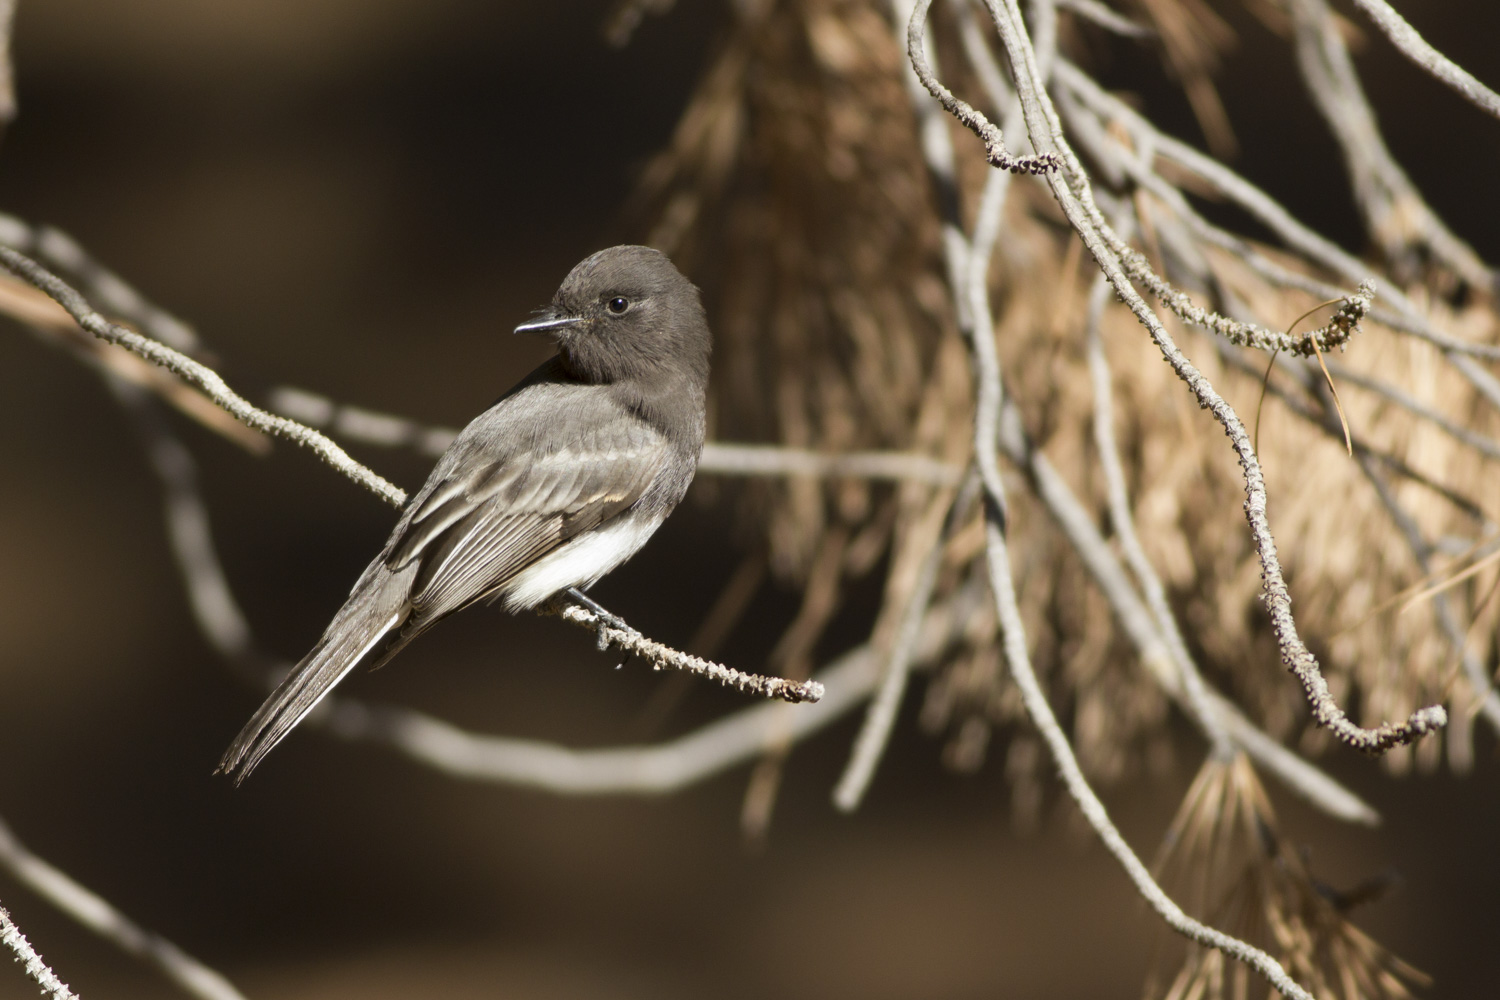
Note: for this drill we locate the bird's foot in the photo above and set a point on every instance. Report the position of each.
(606, 617)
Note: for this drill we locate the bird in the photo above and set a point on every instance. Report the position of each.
(560, 481)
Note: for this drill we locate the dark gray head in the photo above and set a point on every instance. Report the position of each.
(627, 313)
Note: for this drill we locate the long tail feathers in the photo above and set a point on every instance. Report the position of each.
(342, 648)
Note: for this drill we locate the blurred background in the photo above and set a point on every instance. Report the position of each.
(362, 197)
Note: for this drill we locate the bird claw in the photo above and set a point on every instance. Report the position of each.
(607, 619)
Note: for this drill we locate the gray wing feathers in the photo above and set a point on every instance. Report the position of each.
(498, 500)
(361, 628)
(508, 532)
(472, 541)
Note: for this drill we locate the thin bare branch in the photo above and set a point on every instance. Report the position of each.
(109, 923)
(1124, 524)
(719, 458)
(1406, 317)
(974, 121)
(1395, 213)
(658, 769)
(1140, 627)
(189, 533)
(197, 374)
(1057, 497)
(1107, 18)
(12, 938)
(51, 323)
(1416, 48)
(723, 458)
(987, 373)
(1071, 188)
(7, 66)
(105, 289)
(880, 716)
(662, 657)
(1093, 809)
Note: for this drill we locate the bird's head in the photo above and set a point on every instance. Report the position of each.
(626, 313)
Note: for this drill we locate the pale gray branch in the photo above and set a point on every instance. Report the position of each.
(1134, 617)
(1416, 48)
(1107, 18)
(1045, 135)
(1395, 212)
(1071, 188)
(720, 458)
(661, 657)
(197, 374)
(658, 769)
(105, 289)
(7, 66)
(12, 938)
(1123, 520)
(723, 458)
(1406, 317)
(99, 916)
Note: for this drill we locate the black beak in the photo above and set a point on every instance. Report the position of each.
(547, 321)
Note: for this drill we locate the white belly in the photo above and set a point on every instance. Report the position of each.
(580, 562)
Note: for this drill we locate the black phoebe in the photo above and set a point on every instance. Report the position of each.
(559, 482)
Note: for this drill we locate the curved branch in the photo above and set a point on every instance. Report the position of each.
(12, 938)
(1418, 50)
(197, 374)
(95, 913)
(1071, 188)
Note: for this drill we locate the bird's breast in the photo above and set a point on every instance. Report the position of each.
(582, 560)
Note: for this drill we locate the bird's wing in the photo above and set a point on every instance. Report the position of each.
(508, 491)
(517, 495)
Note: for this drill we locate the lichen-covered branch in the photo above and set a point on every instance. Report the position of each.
(15, 942)
(96, 913)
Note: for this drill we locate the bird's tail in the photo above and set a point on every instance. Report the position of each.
(357, 631)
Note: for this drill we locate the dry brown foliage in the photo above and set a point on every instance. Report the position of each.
(796, 178)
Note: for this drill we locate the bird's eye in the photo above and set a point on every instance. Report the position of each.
(618, 305)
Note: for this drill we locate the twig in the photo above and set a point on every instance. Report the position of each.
(1417, 49)
(1334, 334)
(880, 717)
(721, 458)
(1395, 212)
(109, 923)
(1123, 520)
(663, 657)
(7, 66)
(50, 322)
(1140, 627)
(1107, 18)
(988, 392)
(1028, 84)
(197, 374)
(994, 143)
(972, 306)
(1406, 317)
(1041, 715)
(1071, 188)
(12, 938)
(189, 533)
(1475, 672)
(658, 769)
(358, 424)
(107, 290)
(724, 458)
